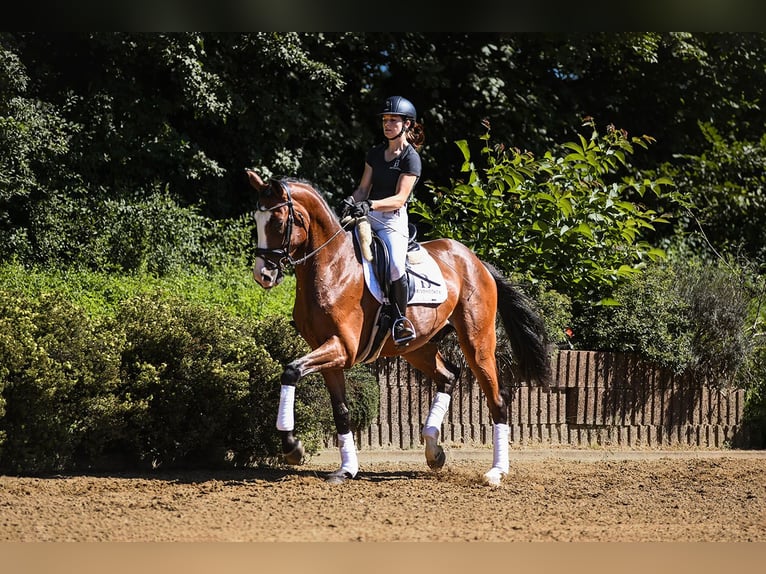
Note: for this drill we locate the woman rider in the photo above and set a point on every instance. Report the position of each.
(391, 170)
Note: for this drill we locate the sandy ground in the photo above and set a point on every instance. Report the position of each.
(549, 495)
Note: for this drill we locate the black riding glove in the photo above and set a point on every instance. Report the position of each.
(347, 205)
(361, 208)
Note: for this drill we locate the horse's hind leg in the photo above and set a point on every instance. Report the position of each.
(481, 359)
(430, 361)
(497, 401)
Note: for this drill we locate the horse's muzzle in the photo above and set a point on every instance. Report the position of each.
(266, 273)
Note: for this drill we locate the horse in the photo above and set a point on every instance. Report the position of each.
(335, 312)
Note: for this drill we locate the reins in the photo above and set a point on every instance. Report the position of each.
(317, 250)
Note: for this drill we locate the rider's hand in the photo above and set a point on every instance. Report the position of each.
(361, 208)
(347, 205)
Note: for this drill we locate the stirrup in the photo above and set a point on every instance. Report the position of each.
(404, 324)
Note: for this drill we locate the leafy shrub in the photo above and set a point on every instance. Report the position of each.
(229, 287)
(202, 375)
(684, 316)
(576, 218)
(363, 396)
(650, 319)
(161, 382)
(555, 310)
(754, 417)
(151, 235)
(57, 370)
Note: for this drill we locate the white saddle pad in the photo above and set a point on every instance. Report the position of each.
(430, 287)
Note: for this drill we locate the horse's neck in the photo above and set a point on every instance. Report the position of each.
(334, 251)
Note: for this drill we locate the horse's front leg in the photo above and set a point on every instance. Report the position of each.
(329, 355)
(292, 448)
(349, 464)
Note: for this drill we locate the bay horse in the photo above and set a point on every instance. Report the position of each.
(335, 313)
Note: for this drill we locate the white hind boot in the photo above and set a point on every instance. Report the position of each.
(500, 464)
(435, 456)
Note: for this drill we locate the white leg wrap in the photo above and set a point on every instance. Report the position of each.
(348, 459)
(433, 423)
(286, 416)
(500, 464)
(500, 444)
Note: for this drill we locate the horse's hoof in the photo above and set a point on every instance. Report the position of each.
(339, 476)
(494, 476)
(295, 456)
(437, 459)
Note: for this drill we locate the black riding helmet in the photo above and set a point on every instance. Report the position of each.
(399, 106)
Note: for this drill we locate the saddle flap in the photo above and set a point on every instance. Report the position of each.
(426, 283)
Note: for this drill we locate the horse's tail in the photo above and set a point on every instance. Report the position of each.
(525, 330)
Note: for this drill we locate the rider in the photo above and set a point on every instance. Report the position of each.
(391, 170)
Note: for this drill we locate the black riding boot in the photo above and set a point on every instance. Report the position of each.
(403, 331)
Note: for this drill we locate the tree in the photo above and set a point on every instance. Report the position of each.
(33, 136)
(123, 116)
(573, 219)
(727, 187)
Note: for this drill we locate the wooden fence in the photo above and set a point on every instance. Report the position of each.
(597, 399)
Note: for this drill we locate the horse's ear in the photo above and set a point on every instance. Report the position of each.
(255, 181)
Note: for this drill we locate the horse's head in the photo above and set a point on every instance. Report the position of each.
(275, 221)
(286, 210)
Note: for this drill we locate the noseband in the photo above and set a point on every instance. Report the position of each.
(278, 258)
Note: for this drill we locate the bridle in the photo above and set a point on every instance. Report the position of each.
(279, 258)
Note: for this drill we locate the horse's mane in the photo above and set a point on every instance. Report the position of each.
(309, 184)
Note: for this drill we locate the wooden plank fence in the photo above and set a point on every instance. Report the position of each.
(597, 399)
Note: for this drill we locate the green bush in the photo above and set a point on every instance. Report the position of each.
(151, 235)
(651, 319)
(363, 397)
(57, 371)
(554, 308)
(682, 315)
(210, 384)
(204, 378)
(754, 418)
(577, 218)
(230, 287)
(161, 381)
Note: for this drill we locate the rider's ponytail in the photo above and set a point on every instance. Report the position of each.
(416, 135)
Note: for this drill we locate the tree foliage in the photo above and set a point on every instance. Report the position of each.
(122, 115)
(727, 187)
(33, 135)
(574, 218)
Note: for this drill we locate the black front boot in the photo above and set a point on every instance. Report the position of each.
(403, 331)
